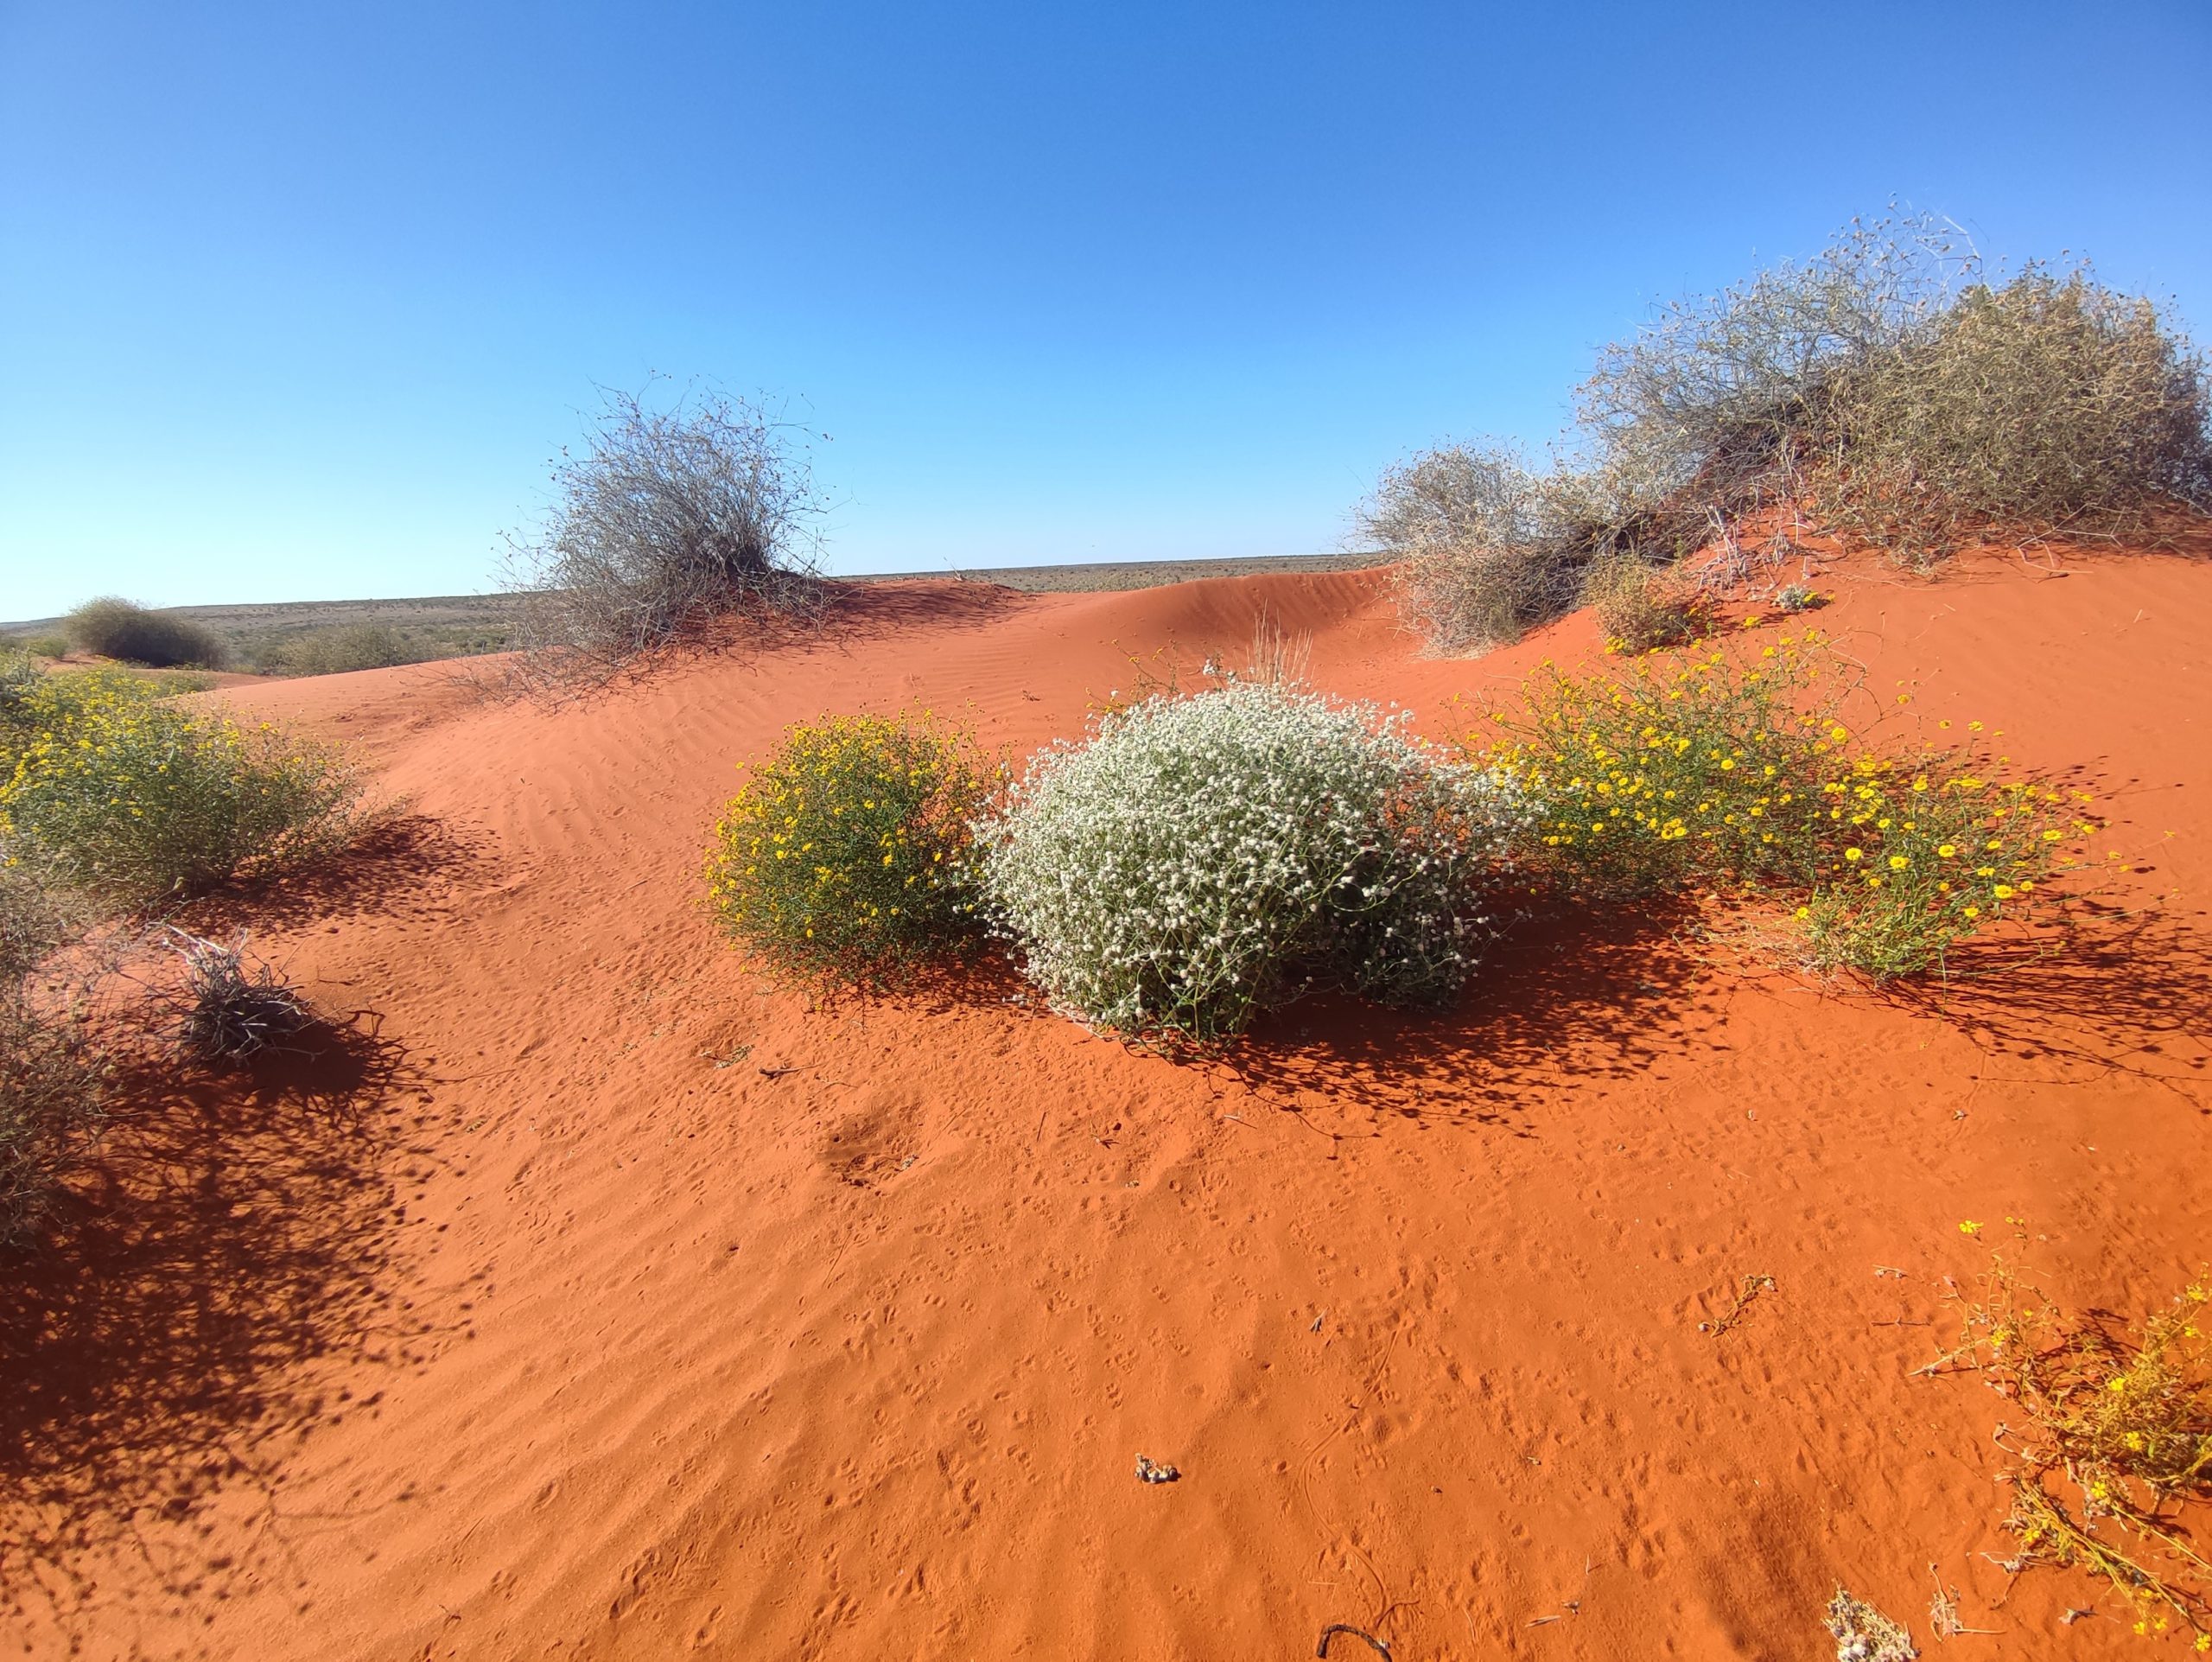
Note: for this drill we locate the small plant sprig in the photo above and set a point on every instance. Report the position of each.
(841, 858)
(2120, 1416)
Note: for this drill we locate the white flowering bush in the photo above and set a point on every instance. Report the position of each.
(1201, 859)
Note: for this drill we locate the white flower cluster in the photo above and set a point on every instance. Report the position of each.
(1201, 859)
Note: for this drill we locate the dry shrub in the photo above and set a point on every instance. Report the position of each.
(336, 651)
(1490, 548)
(52, 1078)
(2050, 405)
(669, 519)
(1882, 390)
(123, 630)
(1642, 608)
(2110, 1424)
(233, 1008)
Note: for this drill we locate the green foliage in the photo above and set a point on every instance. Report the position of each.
(840, 859)
(132, 799)
(1203, 859)
(132, 635)
(1721, 769)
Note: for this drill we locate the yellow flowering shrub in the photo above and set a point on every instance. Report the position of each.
(1725, 768)
(2111, 1428)
(128, 797)
(841, 858)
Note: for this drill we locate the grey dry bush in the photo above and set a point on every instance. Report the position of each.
(52, 1078)
(1885, 391)
(232, 1008)
(123, 629)
(668, 519)
(1202, 859)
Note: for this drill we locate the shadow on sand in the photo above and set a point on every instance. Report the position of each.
(406, 865)
(232, 1234)
(1566, 997)
(2117, 991)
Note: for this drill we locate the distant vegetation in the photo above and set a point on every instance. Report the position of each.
(334, 652)
(669, 519)
(131, 633)
(1887, 391)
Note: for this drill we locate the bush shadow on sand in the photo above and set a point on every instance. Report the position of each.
(403, 865)
(234, 1231)
(1567, 996)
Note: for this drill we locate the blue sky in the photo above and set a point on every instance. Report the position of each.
(296, 300)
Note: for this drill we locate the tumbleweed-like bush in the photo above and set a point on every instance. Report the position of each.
(2051, 406)
(1199, 860)
(232, 1008)
(1884, 392)
(669, 518)
(841, 860)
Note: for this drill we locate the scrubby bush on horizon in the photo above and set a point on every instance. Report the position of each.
(131, 634)
(132, 799)
(671, 518)
(840, 859)
(339, 650)
(1717, 769)
(1199, 860)
(1885, 391)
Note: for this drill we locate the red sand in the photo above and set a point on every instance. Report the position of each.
(649, 1312)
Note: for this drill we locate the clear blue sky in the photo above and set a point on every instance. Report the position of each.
(295, 300)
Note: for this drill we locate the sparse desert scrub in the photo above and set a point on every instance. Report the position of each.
(669, 518)
(1198, 860)
(842, 859)
(131, 799)
(2109, 1424)
(131, 634)
(337, 650)
(1721, 768)
(1885, 392)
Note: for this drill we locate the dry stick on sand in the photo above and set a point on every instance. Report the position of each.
(1943, 1611)
(1753, 1287)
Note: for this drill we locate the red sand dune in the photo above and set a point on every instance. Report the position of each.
(636, 1309)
